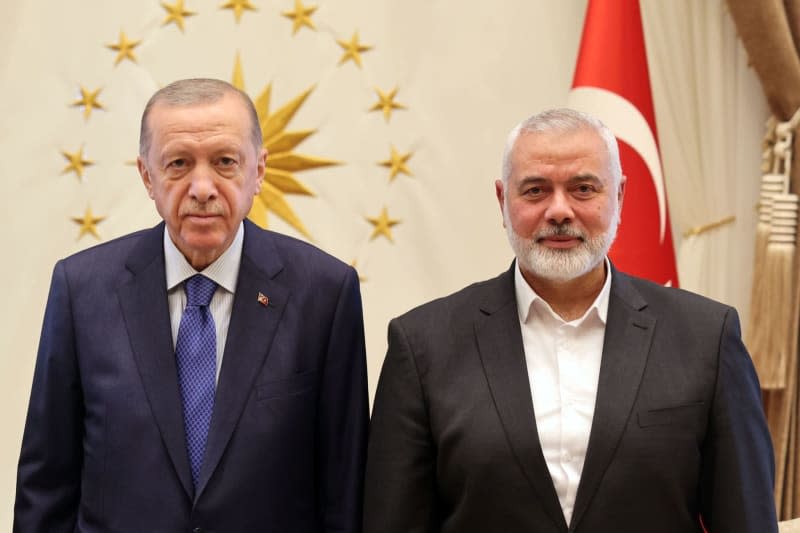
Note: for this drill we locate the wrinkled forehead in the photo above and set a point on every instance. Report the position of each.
(579, 150)
(198, 122)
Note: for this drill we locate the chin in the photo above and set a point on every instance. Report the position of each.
(204, 242)
(559, 265)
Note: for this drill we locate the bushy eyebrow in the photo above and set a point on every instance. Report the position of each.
(578, 178)
(583, 178)
(182, 150)
(532, 180)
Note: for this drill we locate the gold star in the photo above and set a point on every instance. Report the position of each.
(76, 162)
(88, 223)
(352, 49)
(383, 225)
(397, 164)
(386, 103)
(301, 16)
(124, 48)
(283, 162)
(176, 13)
(238, 7)
(88, 101)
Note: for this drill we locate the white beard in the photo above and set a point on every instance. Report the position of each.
(560, 265)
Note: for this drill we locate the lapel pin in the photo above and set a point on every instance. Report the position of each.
(262, 299)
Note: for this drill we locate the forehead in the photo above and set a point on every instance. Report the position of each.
(574, 148)
(225, 115)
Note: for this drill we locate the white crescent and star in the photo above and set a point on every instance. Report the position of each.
(630, 126)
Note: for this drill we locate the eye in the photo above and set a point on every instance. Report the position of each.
(227, 161)
(177, 163)
(585, 190)
(534, 191)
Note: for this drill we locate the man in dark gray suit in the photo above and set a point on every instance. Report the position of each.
(565, 395)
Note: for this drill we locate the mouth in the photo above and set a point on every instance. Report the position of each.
(200, 218)
(560, 238)
(560, 241)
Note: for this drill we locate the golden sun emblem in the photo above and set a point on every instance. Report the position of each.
(282, 162)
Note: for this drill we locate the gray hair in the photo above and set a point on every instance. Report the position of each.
(196, 91)
(564, 120)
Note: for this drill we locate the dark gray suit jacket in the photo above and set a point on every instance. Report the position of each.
(678, 430)
(104, 448)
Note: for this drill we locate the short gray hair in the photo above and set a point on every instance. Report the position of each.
(196, 91)
(564, 120)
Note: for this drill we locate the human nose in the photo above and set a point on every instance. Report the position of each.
(559, 209)
(202, 186)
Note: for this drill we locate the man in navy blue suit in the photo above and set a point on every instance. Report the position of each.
(111, 438)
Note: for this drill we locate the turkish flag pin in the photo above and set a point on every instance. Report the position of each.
(262, 299)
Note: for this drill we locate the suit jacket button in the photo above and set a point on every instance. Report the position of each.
(197, 530)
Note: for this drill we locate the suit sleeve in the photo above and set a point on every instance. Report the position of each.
(343, 415)
(400, 489)
(49, 472)
(738, 464)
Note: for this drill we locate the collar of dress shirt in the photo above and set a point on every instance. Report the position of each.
(224, 271)
(526, 297)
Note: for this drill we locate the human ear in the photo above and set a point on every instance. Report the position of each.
(261, 170)
(145, 174)
(499, 191)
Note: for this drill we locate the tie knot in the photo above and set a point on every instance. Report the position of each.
(199, 290)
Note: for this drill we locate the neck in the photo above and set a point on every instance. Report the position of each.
(199, 262)
(200, 258)
(569, 299)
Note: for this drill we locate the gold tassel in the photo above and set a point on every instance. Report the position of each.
(779, 269)
(781, 295)
(781, 404)
(758, 338)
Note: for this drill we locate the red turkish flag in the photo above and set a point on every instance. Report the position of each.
(612, 83)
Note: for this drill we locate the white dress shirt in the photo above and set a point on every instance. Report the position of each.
(224, 271)
(563, 361)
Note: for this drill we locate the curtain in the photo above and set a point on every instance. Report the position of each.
(769, 31)
(710, 111)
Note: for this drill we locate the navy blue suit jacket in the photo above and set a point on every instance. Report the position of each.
(104, 447)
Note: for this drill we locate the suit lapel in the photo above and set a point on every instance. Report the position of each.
(146, 313)
(626, 347)
(250, 333)
(499, 340)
